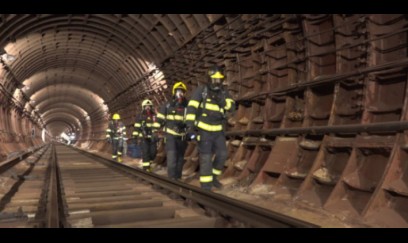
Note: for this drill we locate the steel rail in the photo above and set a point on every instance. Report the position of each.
(52, 212)
(5, 165)
(251, 215)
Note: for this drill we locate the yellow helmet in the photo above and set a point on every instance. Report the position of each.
(146, 102)
(179, 85)
(116, 116)
(216, 72)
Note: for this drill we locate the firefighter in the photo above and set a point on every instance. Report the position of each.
(172, 116)
(146, 126)
(116, 134)
(206, 112)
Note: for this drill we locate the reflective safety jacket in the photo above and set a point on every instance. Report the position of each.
(145, 125)
(207, 108)
(116, 130)
(172, 116)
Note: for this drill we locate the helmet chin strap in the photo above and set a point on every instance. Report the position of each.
(215, 86)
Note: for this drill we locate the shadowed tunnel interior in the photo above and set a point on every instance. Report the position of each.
(70, 73)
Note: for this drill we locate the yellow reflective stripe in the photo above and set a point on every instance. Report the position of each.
(217, 172)
(156, 124)
(205, 179)
(229, 103)
(135, 133)
(190, 117)
(116, 138)
(114, 156)
(208, 127)
(137, 125)
(170, 131)
(175, 117)
(119, 153)
(160, 115)
(108, 130)
(212, 107)
(146, 163)
(107, 135)
(193, 103)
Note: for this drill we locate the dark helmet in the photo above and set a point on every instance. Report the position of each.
(216, 72)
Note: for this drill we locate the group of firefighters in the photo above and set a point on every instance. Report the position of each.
(202, 118)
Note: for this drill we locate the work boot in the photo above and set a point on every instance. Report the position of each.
(217, 183)
(206, 186)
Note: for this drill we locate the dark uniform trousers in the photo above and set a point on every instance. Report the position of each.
(117, 147)
(211, 143)
(149, 150)
(175, 148)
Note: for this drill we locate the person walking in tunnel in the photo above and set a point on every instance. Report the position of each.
(172, 117)
(116, 134)
(145, 129)
(206, 112)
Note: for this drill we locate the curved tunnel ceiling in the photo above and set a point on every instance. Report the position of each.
(83, 59)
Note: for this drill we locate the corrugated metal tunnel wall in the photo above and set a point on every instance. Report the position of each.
(289, 73)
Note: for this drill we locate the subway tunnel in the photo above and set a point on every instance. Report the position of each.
(320, 127)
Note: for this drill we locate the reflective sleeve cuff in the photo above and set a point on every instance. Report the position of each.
(194, 103)
(137, 125)
(229, 103)
(160, 116)
(190, 117)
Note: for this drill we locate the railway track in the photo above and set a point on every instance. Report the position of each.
(67, 187)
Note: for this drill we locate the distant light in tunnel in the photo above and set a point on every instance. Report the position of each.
(152, 66)
(7, 57)
(25, 88)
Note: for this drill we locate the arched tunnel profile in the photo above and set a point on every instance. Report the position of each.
(320, 127)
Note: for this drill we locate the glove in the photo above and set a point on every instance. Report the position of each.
(181, 127)
(191, 134)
